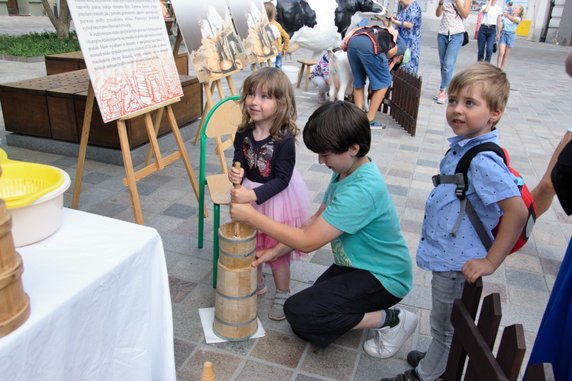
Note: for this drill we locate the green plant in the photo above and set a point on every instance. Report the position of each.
(37, 44)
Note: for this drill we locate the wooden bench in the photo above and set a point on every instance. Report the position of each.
(476, 341)
(53, 107)
(65, 62)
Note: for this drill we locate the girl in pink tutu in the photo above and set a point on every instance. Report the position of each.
(265, 147)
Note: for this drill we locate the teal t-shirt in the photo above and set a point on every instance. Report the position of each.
(361, 207)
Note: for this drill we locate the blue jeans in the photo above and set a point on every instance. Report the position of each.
(278, 61)
(449, 47)
(446, 286)
(486, 38)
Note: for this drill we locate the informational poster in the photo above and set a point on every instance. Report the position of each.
(254, 29)
(210, 38)
(127, 53)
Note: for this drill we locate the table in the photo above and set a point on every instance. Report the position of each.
(100, 306)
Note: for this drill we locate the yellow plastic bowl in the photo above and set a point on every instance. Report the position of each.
(22, 183)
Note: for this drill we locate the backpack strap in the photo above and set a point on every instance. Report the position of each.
(460, 179)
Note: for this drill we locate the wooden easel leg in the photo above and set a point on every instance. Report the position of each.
(208, 106)
(156, 126)
(183, 150)
(230, 85)
(129, 173)
(153, 143)
(83, 145)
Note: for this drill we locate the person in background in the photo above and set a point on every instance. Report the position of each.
(450, 39)
(449, 246)
(265, 147)
(282, 37)
(488, 30)
(373, 52)
(408, 22)
(554, 338)
(508, 8)
(320, 76)
(509, 22)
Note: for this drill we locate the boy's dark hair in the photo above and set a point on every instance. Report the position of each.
(335, 126)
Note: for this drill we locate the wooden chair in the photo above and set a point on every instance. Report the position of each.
(220, 124)
(477, 340)
(305, 64)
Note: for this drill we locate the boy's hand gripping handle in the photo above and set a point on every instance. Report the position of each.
(236, 186)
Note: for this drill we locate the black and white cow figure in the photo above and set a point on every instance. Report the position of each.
(318, 25)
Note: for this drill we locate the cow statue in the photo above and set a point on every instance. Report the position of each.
(318, 25)
(341, 78)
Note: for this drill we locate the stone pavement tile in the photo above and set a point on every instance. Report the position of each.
(180, 211)
(526, 297)
(550, 266)
(303, 377)
(279, 348)
(524, 279)
(256, 371)
(499, 288)
(333, 362)
(179, 289)
(522, 261)
(183, 349)
(225, 365)
(371, 368)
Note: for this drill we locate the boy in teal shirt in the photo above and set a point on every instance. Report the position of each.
(372, 266)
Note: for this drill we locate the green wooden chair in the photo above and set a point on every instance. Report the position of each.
(220, 124)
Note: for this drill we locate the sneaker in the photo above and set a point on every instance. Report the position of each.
(277, 309)
(408, 375)
(387, 341)
(376, 124)
(415, 357)
(261, 287)
(442, 97)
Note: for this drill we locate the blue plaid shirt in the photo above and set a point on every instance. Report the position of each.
(490, 181)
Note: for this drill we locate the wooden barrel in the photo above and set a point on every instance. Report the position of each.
(8, 255)
(236, 252)
(235, 303)
(14, 302)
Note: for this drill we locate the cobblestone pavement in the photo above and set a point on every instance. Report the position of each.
(537, 115)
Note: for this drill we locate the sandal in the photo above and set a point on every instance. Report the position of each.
(261, 287)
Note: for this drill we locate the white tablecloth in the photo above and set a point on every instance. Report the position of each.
(100, 306)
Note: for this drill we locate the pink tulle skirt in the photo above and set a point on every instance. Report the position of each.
(288, 207)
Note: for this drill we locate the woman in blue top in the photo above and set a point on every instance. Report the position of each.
(372, 266)
(507, 35)
(408, 21)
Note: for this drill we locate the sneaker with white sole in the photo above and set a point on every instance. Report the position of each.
(387, 341)
(442, 97)
(277, 308)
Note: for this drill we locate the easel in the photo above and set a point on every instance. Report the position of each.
(208, 88)
(133, 176)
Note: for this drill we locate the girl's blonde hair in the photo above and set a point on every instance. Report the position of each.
(520, 8)
(278, 86)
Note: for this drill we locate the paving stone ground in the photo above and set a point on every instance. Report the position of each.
(537, 115)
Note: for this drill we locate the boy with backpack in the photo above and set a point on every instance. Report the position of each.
(450, 246)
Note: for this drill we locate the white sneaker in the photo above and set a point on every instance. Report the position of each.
(387, 341)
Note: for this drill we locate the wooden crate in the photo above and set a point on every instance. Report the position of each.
(53, 107)
(65, 62)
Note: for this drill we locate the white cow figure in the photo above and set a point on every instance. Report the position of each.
(341, 78)
(318, 25)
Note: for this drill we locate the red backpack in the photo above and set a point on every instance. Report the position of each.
(461, 180)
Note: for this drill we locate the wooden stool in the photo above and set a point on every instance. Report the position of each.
(305, 64)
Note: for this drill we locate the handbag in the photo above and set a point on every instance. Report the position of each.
(465, 33)
(465, 38)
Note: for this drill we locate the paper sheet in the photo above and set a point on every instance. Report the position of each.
(207, 319)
